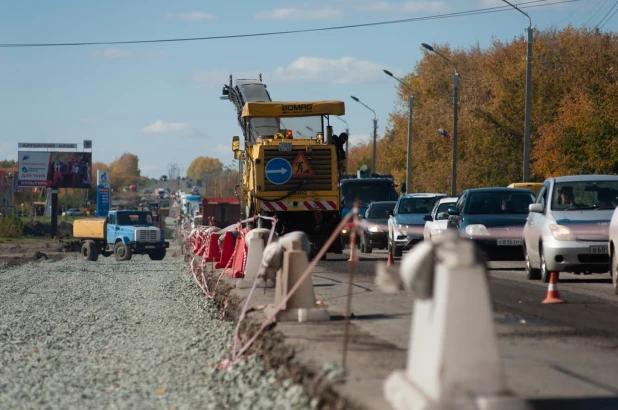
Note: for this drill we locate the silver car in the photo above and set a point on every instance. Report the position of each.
(568, 227)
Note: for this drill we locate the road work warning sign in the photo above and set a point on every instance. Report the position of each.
(301, 167)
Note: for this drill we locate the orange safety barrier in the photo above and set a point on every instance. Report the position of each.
(237, 270)
(213, 253)
(227, 250)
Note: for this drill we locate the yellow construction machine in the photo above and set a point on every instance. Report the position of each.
(290, 165)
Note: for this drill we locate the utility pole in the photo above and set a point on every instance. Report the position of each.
(375, 132)
(527, 145)
(375, 139)
(455, 118)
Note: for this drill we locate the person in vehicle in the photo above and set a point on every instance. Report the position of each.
(566, 197)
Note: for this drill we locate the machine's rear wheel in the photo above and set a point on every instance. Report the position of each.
(89, 251)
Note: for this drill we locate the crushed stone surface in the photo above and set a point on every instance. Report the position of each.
(120, 335)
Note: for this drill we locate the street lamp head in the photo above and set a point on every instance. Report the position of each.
(388, 73)
(354, 98)
(427, 46)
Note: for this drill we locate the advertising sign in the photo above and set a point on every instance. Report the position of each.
(54, 169)
(103, 189)
(46, 145)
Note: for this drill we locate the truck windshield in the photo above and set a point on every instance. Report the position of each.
(301, 127)
(141, 218)
(367, 192)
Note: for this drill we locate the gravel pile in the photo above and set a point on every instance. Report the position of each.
(122, 335)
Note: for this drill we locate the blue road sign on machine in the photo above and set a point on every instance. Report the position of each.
(278, 171)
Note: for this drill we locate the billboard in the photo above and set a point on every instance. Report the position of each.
(54, 169)
(103, 188)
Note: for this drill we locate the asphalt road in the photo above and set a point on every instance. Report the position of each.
(549, 351)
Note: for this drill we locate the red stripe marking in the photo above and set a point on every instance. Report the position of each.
(320, 205)
(332, 204)
(269, 206)
(282, 205)
(308, 206)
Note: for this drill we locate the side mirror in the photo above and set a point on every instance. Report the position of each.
(453, 211)
(428, 218)
(538, 208)
(403, 188)
(235, 143)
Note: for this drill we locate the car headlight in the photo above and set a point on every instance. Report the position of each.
(344, 231)
(561, 232)
(477, 230)
(375, 228)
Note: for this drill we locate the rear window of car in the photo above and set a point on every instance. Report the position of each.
(499, 202)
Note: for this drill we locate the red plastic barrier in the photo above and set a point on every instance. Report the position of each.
(240, 257)
(213, 253)
(226, 251)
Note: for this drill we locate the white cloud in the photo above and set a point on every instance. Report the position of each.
(305, 12)
(190, 16)
(357, 139)
(117, 53)
(163, 127)
(345, 70)
(407, 7)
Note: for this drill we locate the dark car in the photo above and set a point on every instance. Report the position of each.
(375, 233)
(494, 218)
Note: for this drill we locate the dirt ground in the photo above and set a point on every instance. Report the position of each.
(37, 245)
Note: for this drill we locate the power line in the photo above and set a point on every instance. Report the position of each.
(607, 14)
(529, 4)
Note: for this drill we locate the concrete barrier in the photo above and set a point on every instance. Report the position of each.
(289, 255)
(256, 240)
(453, 358)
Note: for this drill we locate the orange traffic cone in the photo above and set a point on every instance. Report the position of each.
(389, 261)
(553, 295)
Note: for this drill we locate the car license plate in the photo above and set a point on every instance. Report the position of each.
(598, 250)
(150, 247)
(510, 242)
(285, 146)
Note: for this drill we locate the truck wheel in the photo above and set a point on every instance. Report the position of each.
(122, 252)
(89, 251)
(158, 255)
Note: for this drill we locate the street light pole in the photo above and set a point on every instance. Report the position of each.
(375, 133)
(455, 117)
(347, 145)
(527, 145)
(409, 153)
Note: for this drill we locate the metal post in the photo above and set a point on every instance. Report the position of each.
(409, 157)
(54, 213)
(347, 150)
(455, 115)
(528, 106)
(375, 137)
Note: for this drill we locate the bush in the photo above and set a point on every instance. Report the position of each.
(11, 226)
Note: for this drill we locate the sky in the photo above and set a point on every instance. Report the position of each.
(161, 101)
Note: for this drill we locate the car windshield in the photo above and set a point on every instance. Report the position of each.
(140, 218)
(585, 195)
(367, 192)
(442, 212)
(380, 211)
(420, 205)
(499, 202)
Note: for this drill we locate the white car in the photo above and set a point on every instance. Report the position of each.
(405, 225)
(73, 212)
(567, 229)
(436, 221)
